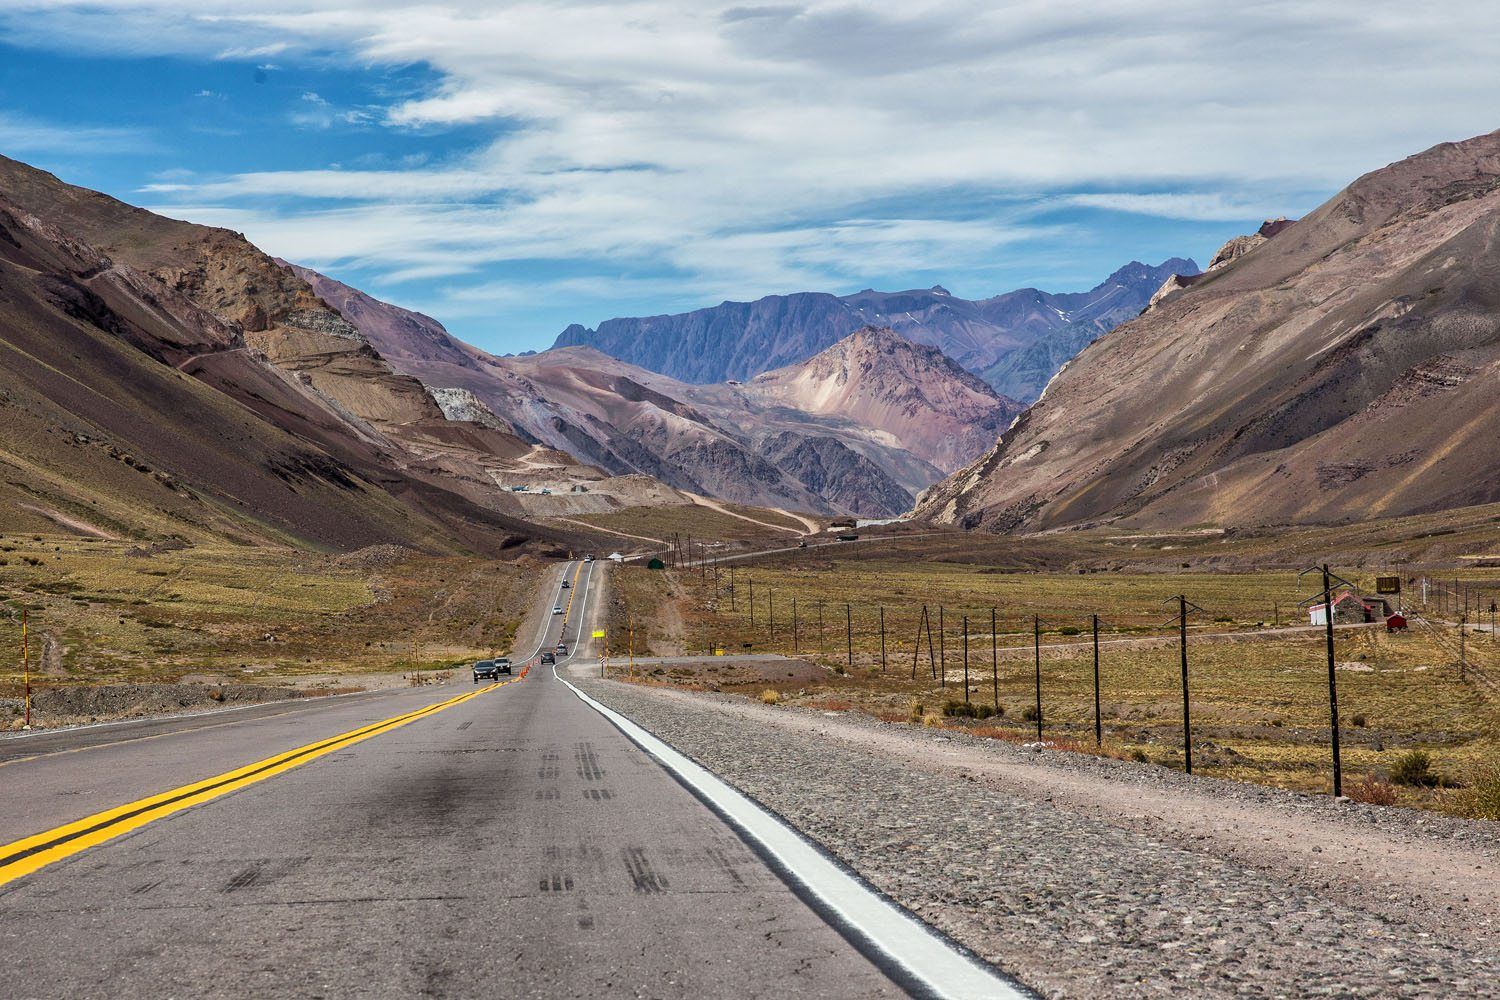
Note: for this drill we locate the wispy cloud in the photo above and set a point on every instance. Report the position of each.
(20, 134)
(742, 147)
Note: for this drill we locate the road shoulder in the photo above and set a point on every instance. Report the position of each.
(1085, 876)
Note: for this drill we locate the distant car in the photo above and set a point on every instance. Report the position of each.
(502, 665)
(588, 558)
(548, 659)
(801, 545)
(850, 537)
(557, 610)
(562, 649)
(566, 585)
(488, 670)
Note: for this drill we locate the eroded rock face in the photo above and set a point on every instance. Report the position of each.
(1228, 253)
(1311, 375)
(463, 405)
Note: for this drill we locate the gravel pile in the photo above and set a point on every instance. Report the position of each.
(1070, 904)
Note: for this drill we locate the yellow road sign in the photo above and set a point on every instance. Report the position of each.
(598, 633)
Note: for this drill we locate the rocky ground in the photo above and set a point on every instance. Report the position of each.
(1089, 878)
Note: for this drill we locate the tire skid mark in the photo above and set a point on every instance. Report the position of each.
(644, 878)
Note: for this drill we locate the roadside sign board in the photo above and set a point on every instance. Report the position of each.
(1387, 585)
(598, 633)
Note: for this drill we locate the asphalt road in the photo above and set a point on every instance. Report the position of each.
(511, 844)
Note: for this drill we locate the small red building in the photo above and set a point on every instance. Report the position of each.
(1396, 623)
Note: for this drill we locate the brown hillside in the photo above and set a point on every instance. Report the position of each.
(1347, 368)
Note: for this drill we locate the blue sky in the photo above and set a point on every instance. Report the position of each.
(512, 168)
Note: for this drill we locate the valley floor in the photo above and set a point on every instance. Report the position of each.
(1087, 877)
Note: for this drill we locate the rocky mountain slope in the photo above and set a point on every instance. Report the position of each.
(158, 378)
(1346, 367)
(859, 429)
(924, 400)
(1015, 341)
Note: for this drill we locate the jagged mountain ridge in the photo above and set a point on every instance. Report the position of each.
(1008, 340)
(861, 430)
(1346, 367)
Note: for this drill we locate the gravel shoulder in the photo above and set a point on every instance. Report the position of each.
(1086, 877)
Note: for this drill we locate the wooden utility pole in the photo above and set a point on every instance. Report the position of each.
(882, 638)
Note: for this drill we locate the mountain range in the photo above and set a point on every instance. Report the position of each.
(859, 428)
(1015, 341)
(1337, 368)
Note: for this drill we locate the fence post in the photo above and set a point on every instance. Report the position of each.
(751, 582)
(916, 649)
(1187, 728)
(771, 608)
(1333, 687)
(794, 626)
(882, 638)
(26, 669)
(1036, 645)
(849, 635)
(1098, 723)
(942, 651)
(966, 659)
(932, 658)
(994, 661)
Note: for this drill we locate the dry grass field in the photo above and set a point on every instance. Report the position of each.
(112, 612)
(1259, 700)
(702, 523)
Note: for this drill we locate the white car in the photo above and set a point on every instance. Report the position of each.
(557, 610)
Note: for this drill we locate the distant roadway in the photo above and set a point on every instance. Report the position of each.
(500, 840)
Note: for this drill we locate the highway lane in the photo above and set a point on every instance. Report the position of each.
(512, 844)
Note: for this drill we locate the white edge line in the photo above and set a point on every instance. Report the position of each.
(904, 941)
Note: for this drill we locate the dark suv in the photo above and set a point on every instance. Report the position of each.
(548, 659)
(487, 670)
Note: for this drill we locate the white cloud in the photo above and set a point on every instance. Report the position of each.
(782, 144)
(1212, 206)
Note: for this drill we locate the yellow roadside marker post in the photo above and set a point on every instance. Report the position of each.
(603, 651)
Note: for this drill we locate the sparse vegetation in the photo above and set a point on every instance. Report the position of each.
(967, 710)
(1371, 790)
(1480, 797)
(770, 696)
(104, 612)
(1414, 768)
(1260, 698)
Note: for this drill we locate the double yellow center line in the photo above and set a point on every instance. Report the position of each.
(26, 856)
